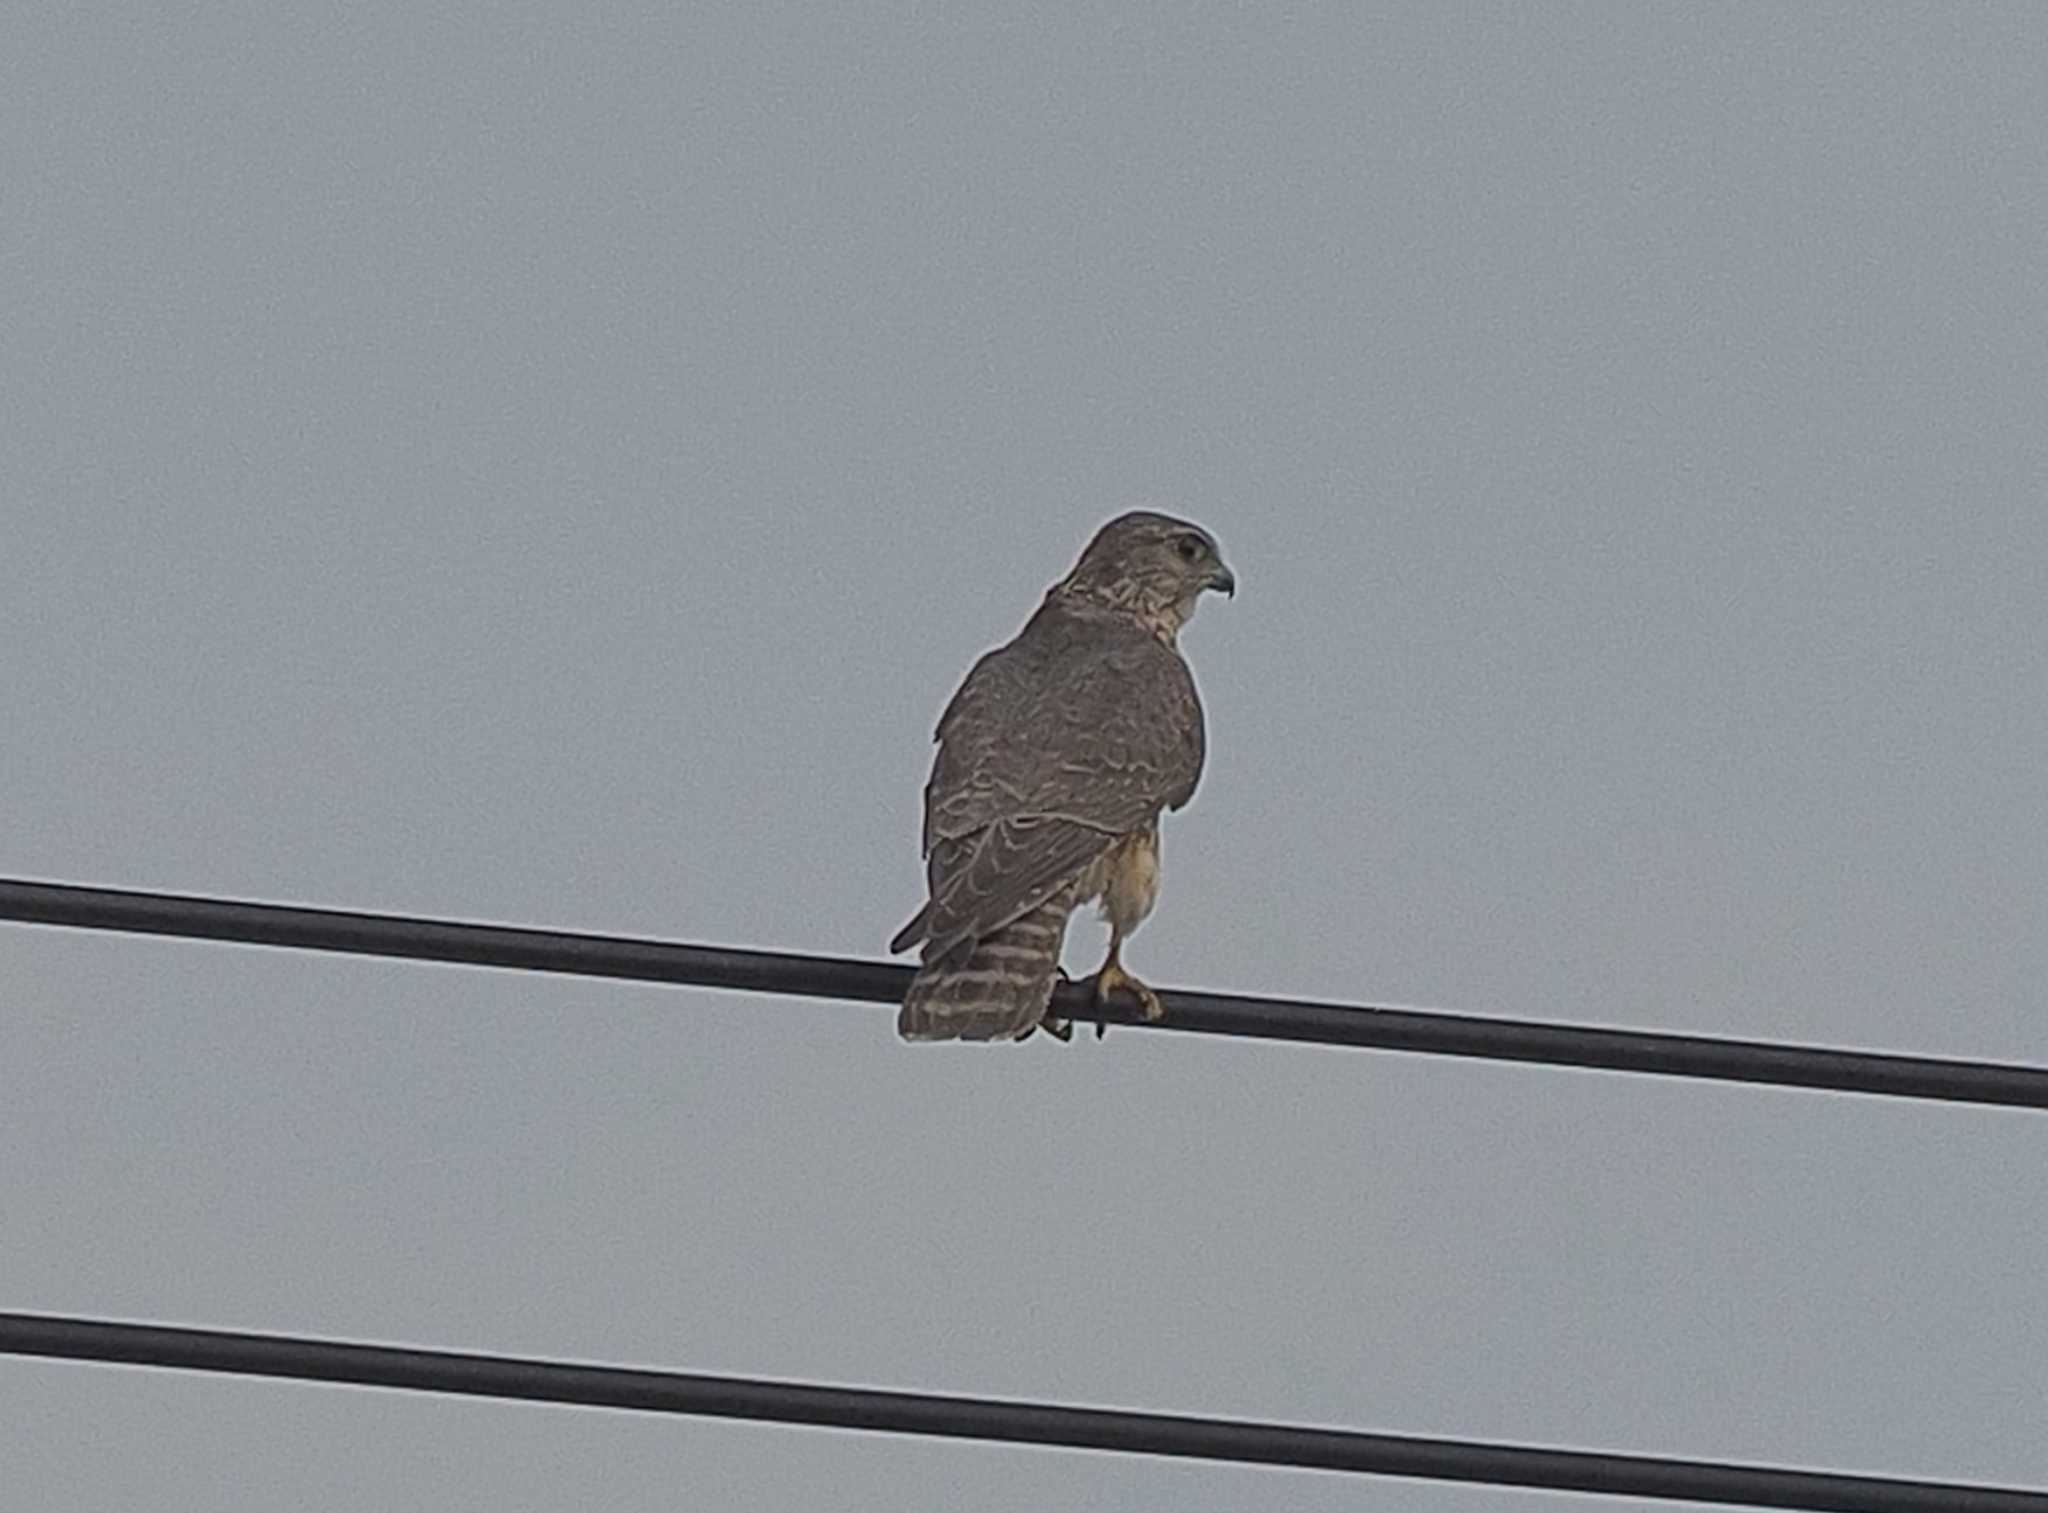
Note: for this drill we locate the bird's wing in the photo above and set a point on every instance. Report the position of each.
(1079, 731)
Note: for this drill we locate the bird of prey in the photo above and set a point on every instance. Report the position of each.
(1056, 757)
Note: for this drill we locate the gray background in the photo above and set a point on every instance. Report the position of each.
(551, 464)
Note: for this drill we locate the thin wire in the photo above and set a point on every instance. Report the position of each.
(954, 1417)
(1411, 1030)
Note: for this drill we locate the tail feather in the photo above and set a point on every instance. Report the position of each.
(995, 990)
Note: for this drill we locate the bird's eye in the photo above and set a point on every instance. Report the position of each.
(1189, 547)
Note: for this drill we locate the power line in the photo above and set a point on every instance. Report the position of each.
(1200, 1013)
(955, 1417)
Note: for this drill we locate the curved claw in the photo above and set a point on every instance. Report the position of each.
(1060, 1029)
(1113, 978)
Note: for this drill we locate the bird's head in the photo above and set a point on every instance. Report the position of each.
(1150, 565)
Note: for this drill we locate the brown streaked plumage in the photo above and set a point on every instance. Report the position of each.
(1056, 757)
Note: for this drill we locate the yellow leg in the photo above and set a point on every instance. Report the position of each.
(1113, 977)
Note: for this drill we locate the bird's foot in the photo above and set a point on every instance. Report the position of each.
(1113, 978)
(1060, 1029)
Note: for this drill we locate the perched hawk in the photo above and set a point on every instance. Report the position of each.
(1055, 759)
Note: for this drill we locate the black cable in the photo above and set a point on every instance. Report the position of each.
(922, 1413)
(883, 982)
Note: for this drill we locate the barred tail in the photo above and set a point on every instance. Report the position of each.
(998, 989)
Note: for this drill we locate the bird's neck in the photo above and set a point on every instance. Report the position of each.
(1121, 600)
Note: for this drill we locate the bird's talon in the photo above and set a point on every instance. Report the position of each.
(1060, 1029)
(1113, 977)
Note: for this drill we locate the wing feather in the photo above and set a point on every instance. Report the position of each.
(1077, 732)
(1003, 872)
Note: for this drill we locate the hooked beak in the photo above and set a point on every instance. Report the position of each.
(1224, 581)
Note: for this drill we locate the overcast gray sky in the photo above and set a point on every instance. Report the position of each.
(551, 464)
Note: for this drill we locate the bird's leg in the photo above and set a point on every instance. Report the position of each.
(1060, 1029)
(1113, 976)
